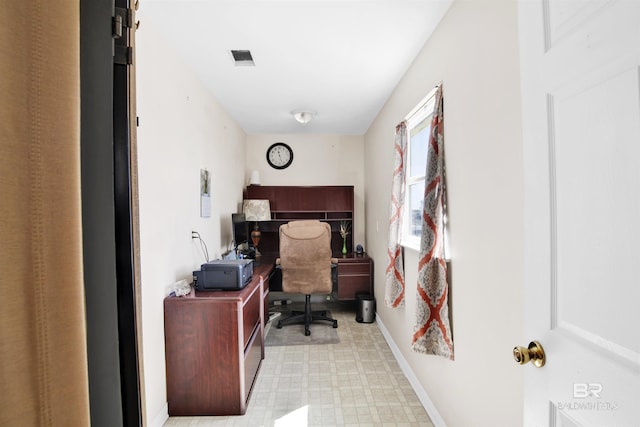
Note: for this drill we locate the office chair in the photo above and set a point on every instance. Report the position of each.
(306, 263)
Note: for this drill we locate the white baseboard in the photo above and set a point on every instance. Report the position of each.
(161, 417)
(428, 405)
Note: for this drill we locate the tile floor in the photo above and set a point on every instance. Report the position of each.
(354, 383)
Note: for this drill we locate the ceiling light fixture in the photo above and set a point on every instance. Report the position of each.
(303, 117)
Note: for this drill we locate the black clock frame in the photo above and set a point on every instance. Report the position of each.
(286, 165)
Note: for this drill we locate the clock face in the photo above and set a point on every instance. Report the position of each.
(279, 155)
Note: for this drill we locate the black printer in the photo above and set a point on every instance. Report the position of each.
(223, 275)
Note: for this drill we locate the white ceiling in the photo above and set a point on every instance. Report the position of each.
(338, 58)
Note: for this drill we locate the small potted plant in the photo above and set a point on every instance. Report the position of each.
(344, 231)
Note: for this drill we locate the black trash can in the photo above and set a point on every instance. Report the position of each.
(366, 311)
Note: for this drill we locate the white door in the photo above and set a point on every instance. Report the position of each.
(580, 67)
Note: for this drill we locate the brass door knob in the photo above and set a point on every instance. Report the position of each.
(534, 354)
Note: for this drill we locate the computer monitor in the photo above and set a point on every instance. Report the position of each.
(240, 229)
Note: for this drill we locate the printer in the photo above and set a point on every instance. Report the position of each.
(226, 275)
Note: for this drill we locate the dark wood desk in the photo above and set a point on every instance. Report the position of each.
(214, 344)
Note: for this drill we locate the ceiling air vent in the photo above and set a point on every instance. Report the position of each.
(242, 58)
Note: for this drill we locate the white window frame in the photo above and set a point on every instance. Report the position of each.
(423, 110)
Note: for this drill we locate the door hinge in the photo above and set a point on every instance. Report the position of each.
(122, 22)
(123, 55)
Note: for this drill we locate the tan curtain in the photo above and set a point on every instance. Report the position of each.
(43, 374)
(394, 275)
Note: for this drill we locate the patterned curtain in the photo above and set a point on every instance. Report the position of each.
(394, 279)
(432, 333)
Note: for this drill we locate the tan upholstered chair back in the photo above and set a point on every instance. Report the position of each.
(305, 257)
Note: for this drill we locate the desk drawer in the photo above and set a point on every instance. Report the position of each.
(250, 315)
(252, 360)
(350, 286)
(353, 268)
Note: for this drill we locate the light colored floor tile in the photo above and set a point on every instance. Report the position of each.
(354, 383)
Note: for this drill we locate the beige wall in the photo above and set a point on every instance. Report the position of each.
(317, 160)
(182, 129)
(474, 52)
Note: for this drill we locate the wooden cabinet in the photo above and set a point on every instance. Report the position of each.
(214, 345)
(355, 276)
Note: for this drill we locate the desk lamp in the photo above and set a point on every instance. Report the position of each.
(256, 210)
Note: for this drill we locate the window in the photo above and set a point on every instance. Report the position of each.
(418, 131)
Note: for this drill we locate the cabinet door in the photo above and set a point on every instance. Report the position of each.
(339, 199)
(251, 315)
(297, 198)
(252, 359)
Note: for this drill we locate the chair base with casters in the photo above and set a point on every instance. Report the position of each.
(307, 316)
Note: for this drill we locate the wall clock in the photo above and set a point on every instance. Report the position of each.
(279, 155)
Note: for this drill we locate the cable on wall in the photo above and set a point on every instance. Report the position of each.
(203, 245)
